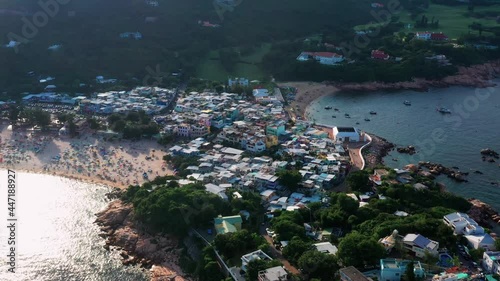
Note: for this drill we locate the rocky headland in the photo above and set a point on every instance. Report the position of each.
(483, 213)
(122, 232)
(378, 149)
(477, 76)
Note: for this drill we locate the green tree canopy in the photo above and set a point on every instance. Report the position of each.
(359, 250)
(290, 179)
(319, 265)
(358, 181)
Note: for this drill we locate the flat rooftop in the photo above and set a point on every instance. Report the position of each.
(353, 274)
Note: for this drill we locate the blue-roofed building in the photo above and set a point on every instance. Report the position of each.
(420, 245)
(393, 269)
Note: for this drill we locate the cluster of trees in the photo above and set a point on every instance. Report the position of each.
(175, 210)
(32, 117)
(289, 179)
(424, 23)
(134, 125)
(238, 243)
(181, 162)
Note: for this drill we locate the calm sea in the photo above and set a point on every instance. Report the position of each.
(56, 236)
(453, 139)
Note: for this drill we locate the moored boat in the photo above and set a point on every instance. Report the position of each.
(407, 102)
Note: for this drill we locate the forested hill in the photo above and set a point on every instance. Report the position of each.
(172, 38)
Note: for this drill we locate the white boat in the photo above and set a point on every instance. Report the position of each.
(407, 102)
(444, 110)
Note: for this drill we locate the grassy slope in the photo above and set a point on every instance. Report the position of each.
(452, 20)
(211, 68)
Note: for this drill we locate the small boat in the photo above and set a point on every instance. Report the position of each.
(373, 112)
(366, 119)
(336, 109)
(394, 159)
(347, 115)
(333, 116)
(444, 110)
(478, 172)
(407, 102)
(328, 107)
(357, 123)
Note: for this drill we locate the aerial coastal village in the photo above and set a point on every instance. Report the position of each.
(256, 143)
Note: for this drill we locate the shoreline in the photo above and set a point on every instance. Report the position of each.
(477, 76)
(89, 159)
(157, 253)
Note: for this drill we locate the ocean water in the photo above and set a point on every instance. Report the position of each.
(450, 139)
(56, 238)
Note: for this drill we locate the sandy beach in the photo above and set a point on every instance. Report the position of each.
(307, 92)
(88, 158)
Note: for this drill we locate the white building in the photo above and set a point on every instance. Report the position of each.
(462, 224)
(326, 58)
(491, 262)
(237, 82)
(326, 247)
(346, 134)
(257, 255)
(277, 273)
(482, 241)
(420, 245)
(259, 93)
(423, 35)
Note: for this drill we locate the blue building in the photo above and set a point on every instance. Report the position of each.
(393, 269)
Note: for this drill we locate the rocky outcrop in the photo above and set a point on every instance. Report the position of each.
(152, 251)
(407, 150)
(438, 169)
(483, 213)
(477, 76)
(489, 155)
(378, 149)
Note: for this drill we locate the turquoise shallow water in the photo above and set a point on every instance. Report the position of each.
(452, 140)
(56, 235)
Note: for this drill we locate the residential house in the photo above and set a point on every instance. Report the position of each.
(420, 245)
(256, 255)
(426, 35)
(237, 82)
(389, 242)
(277, 273)
(393, 269)
(376, 178)
(326, 58)
(352, 274)
(462, 224)
(482, 241)
(227, 224)
(379, 55)
(491, 262)
(326, 247)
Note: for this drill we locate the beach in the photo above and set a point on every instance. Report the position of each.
(88, 158)
(306, 93)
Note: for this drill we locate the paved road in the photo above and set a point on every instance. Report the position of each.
(356, 156)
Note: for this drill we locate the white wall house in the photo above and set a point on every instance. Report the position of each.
(483, 241)
(322, 57)
(462, 224)
(491, 262)
(237, 81)
(420, 245)
(346, 134)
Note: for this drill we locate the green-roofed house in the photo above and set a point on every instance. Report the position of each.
(227, 224)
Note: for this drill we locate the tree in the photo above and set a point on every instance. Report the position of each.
(358, 181)
(14, 113)
(257, 265)
(290, 179)
(359, 250)
(318, 265)
(295, 248)
(410, 272)
(497, 244)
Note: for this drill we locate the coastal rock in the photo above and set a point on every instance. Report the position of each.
(407, 150)
(378, 149)
(438, 169)
(489, 152)
(483, 213)
(137, 245)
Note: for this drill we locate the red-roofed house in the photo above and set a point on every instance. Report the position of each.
(322, 57)
(431, 36)
(380, 55)
(439, 36)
